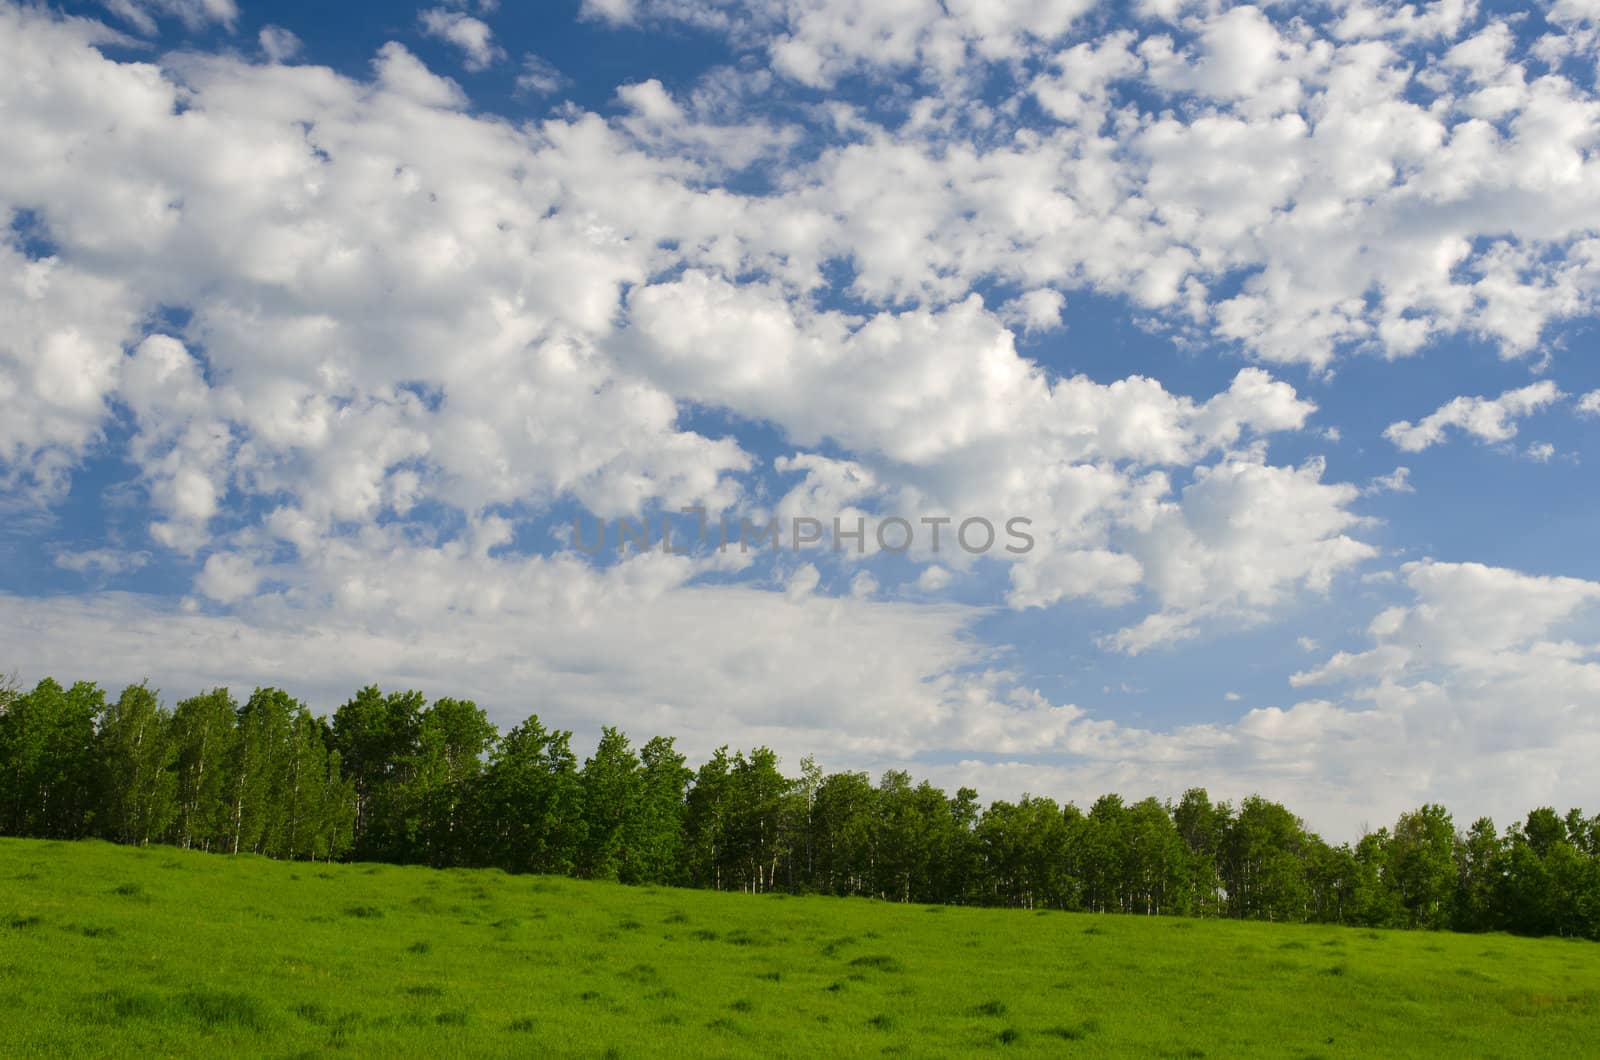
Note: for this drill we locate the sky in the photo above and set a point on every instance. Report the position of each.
(325, 328)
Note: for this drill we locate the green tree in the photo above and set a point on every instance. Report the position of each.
(709, 825)
(1025, 847)
(530, 802)
(203, 735)
(1376, 900)
(758, 821)
(1156, 862)
(1422, 864)
(842, 834)
(319, 805)
(1264, 863)
(138, 759)
(1103, 857)
(613, 782)
(452, 739)
(1203, 827)
(1549, 886)
(1336, 878)
(259, 765)
(656, 839)
(1480, 862)
(961, 863)
(378, 738)
(48, 758)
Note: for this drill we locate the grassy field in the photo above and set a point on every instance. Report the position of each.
(107, 950)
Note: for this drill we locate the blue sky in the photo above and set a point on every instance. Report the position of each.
(325, 323)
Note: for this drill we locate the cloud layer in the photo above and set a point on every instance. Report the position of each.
(360, 344)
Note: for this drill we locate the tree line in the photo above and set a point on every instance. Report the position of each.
(390, 777)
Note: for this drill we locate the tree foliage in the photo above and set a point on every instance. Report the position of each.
(391, 777)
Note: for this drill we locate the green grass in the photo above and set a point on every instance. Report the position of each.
(115, 951)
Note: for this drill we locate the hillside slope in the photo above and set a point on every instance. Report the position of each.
(109, 950)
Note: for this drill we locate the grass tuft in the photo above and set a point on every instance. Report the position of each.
(118, 1006)
(223, 1010)
(313, 1013)
(640, 973)
(1076, 1032)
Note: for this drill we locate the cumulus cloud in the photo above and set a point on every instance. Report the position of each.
(358, 340)
(60, 352)
(193, 14)
(278, 44)
(511, 249)
(1237, 542)
(1302, 187)
(1396, 481)
(539, 76)
(472, 36)
(1486, 419)
(101, 561)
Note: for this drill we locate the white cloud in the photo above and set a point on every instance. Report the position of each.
(407, 77)
(1238, 542)
(1487, 419)
(440, 311)
(1036, 310)
(228, 578)
(60, 348)
(1479, 692)
(802, 582)
(278, 44)
(1374, 181)
(1589, 404)
(510, 248)
(194, 14)
(539, 76)
(615, 11)
(1407, 21)
(109, 562)
(472, 36)
(1396, 481)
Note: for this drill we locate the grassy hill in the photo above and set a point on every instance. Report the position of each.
(109, 950)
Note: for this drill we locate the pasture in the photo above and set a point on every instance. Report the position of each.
(116, 951)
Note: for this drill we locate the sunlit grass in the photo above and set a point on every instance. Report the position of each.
(115, 951)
